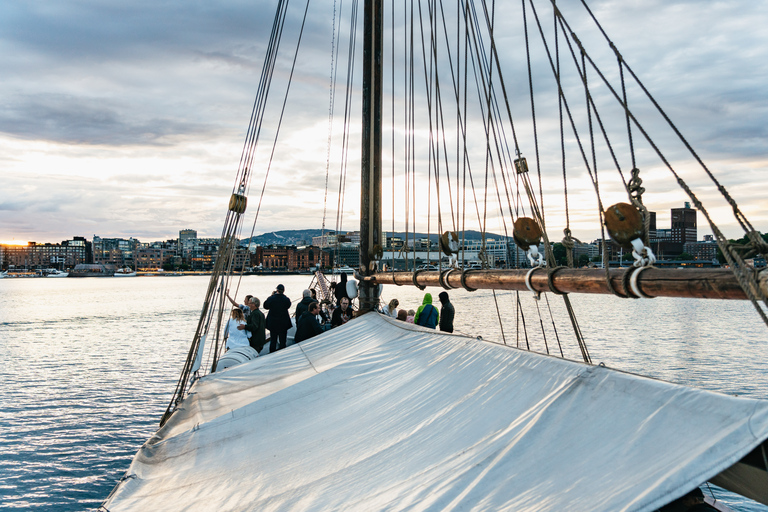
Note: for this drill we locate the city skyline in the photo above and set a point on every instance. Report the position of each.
(129, 119)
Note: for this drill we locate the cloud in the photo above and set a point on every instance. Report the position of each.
(74, 120)
(129, 118)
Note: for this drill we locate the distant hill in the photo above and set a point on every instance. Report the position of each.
(300, 237)
(285, 237)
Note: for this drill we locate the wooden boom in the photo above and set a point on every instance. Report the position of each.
(651, 281)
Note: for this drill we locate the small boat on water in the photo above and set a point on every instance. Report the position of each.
(345, 269)
(52, 272)
(92, 270)
(125, 272)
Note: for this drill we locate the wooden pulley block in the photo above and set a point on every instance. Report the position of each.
(624, 224)
(526, 233)
(449, 242)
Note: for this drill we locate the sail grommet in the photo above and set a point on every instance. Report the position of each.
(464, 273)
(415, 283)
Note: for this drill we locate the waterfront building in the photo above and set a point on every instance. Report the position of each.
(64, 255)
(706, 250)
(152, 258)
(291, 258)
(187, 234)
(120, 252)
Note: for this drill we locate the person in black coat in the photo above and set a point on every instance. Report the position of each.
(302, 306)
(446, 313)
(278, 318)
(308, 326)
(340, 291)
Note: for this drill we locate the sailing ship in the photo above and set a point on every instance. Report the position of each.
(383, 415)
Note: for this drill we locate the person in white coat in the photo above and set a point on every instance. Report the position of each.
(391, 308)
(237, 337)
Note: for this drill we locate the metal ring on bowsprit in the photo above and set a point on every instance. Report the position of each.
(550, 282)
(443, 279)
(625, 283)
(464, 273)
(529, 284)
(416, 273)
(635, 286)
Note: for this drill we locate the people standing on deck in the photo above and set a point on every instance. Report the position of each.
(342, 314)
(278, 318)
(446, 313)
(391, 308)
(301, 307)
(427, 314)
(308, 326)
(237, 337)
(255, 325)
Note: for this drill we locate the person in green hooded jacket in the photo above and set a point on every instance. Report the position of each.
(427, 314)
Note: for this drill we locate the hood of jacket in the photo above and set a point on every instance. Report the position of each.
(427, 299)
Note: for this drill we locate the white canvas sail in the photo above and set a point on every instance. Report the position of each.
(383, 415)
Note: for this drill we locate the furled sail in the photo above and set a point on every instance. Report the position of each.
(384, 415)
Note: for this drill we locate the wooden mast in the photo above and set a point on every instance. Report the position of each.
(370, 196)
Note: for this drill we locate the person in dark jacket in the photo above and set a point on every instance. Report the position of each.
(340, 291)
(308, 326)
(427, 314)
(255, 324)
(301, 307)
(278, 318)
(446, 313)
(341, 314)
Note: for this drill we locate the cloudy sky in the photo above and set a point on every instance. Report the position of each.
(128, 119)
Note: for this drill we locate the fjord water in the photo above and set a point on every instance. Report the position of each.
(87, 366)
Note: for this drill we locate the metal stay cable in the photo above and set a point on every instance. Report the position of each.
(392, 127)
(429, 66)
(331, 103)
(535, 130)
(568, 239)
(346, 134)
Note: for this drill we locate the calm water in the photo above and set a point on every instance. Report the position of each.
(87, 366)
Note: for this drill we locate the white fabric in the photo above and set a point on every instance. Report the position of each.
(385, 310)
(384, 415)
(236, 337)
